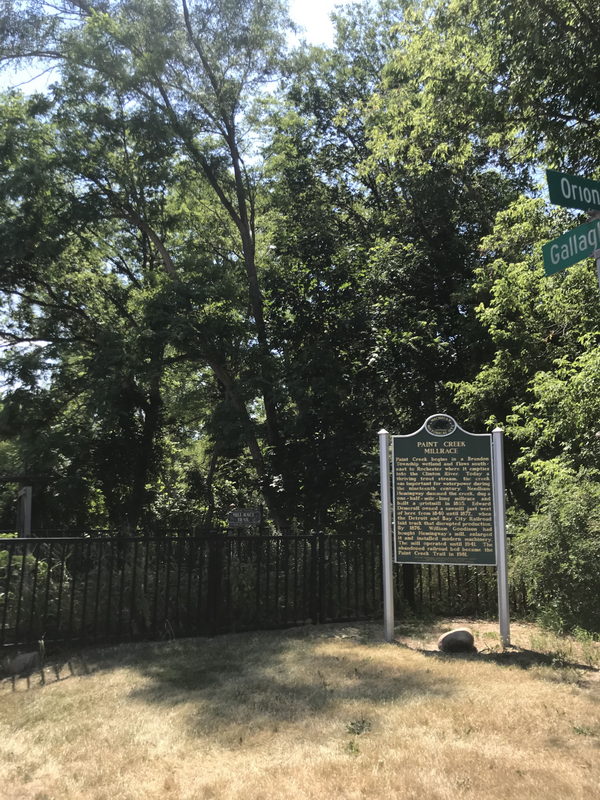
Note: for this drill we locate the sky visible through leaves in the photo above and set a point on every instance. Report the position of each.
(312, 16)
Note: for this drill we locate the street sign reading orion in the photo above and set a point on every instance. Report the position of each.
(582, 242)
(573, 192)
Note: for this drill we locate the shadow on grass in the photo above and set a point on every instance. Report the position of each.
(61, 670)
(259, 682)
(513, 657)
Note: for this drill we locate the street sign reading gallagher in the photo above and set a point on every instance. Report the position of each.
(571, 247)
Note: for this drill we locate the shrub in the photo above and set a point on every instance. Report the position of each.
(557, 553)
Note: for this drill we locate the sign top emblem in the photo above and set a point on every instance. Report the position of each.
(440, 425)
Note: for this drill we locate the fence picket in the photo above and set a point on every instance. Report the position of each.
(111, 588)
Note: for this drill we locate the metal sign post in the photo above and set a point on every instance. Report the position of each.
(386, 535)
(597, 257)
(500, 533)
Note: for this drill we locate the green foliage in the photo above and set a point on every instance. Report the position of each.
(149, 187)
(28, 591)
(543, 334)
(224, 269)
(545, 65)
(558, 551)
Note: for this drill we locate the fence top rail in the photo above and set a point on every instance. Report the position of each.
(216, 535)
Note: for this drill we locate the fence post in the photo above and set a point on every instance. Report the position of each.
(214, 583)
(317, 579)
(24, 512)
(313, 579)
(322, 579)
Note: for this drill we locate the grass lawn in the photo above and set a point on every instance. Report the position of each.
(317, 712)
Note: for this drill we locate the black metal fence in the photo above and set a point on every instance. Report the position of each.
(104, 588)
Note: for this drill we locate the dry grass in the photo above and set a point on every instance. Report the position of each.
(320, 712)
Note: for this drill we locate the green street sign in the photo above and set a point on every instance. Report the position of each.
(571, 191)
(571, 247)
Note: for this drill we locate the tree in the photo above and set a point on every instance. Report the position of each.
(85, 347)
(198, 81)
(547, 68)
(516, 80)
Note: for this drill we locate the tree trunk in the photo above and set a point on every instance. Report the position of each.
(268, 490)
(145, 461)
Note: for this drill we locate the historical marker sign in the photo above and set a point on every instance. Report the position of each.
(443, 496)
(448, 505)
(572, 191)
